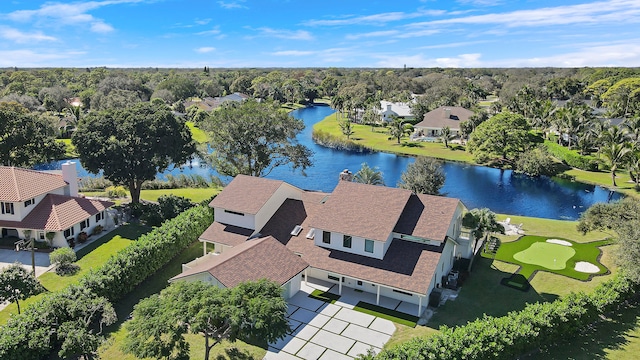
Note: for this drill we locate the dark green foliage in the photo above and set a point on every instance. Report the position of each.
(424, 176)
(335, 142)
(518, 332)
(535, 162)
(168, 207)
(64, 259)
(571, 157)
(502, 137)
(16, 284)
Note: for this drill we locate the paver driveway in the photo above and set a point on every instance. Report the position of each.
(321, 330)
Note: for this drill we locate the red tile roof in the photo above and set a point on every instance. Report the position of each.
(366, 211)
(250, 261)
(17, 185)
(246, 194)
(438, 118)
(58, 213)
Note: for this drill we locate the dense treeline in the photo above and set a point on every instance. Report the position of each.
(70, 321)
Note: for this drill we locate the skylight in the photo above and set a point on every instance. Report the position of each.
(296, 230)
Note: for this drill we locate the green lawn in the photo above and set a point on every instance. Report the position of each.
(324, 296)
(90, 257)
(194, 194)
(153, 285)
(382, 312)
(378, 139)
(70, 150)
(197, 134)
(534, 253)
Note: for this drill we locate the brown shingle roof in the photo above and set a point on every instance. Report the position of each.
(366, 211)
(438, 119)
(18, 184)
(59, 212)
(427, 216)
(251, 261)
(225, 234)
(246, 194)
(409, 266)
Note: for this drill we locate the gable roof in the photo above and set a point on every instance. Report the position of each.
(59, 212)
(362, 210)
(427, 216)
(251, 261)
(246, 194)
(438, 118)
(399, 108)
(18, 184)
(229, 235)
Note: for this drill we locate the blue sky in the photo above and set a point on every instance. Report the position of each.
(328, 33)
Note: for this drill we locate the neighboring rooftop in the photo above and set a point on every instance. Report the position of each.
(59, 212)
(246, 194)
(18, 184)
(366, 211)
(251, 261)
(450, 116)
(400, 108)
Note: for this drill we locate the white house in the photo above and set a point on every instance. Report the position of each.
(389, 110)
(386, 241)
(36, 203)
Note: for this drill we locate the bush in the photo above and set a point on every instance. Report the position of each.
(64, 259)
(571, 157)
(335, 142)
(82, 237)
(97, 230)
(535, 162)
(116, 192)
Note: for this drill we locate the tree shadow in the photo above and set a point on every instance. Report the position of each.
(235, 354)
(411, 145)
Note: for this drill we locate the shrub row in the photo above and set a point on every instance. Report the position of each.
(331, 141)
(172, 182)
(571, 157)
(518, 332)
(34, 334)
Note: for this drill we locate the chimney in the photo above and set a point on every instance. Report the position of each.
(346, 175)
(388, 107)
(447, 113)
(70, 175)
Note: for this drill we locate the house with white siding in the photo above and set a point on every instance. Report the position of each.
(386, 241)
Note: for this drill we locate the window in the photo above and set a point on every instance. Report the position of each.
(234, 212)
(359, 283)
(334, 278)
(7, 208)
(69, 232)
(84, 224)
(29, 202)
(368, 246)
(100, 216)
(326, 237)
(41, 235)
(346, 241)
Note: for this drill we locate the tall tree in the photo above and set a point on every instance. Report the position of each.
(615, 154)
(253, 138)
(17, 284)
(398, 129)
(26, 139)
(368, 175)
(132, 145)
(423, 176)
(446, 136)
(347, 128)
(484, 223)
(502, 136)
(249, 311)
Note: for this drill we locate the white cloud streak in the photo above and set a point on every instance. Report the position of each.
(238, 4)
(20, 37)
(284, 34)
(205, 49)
(375, 19)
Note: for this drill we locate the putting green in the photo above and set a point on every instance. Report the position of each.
(548, 255)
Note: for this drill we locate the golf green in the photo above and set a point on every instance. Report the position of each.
(548, 255)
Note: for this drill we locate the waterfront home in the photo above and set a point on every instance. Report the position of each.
(444, 116)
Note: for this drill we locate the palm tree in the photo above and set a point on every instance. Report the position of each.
(347, 128)
(398, 129)
(484, 222)
(446, 135)
(615, 154)
(368, 175)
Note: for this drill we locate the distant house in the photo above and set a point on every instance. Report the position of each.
(210, 103)
(389, 110)
(444, 116)
(42, 202)
(385, 241)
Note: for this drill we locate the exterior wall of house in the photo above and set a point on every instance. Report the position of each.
(292, 286)
(357, 244)
(204, 277)
(284, 192)
(216, 247)
(246, 221)
(21, 211)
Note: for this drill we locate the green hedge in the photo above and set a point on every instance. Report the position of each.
(518, 332)
(335, 142)
(33, 334)
(571, 157)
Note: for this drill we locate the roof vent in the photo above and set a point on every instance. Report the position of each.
(324, 199)
(296, 230)
(311, 233)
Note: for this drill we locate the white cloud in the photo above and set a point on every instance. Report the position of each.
(453, 45)
(375, 19)
(237, 4)
(293, 53)
(385, 33)
(31, 58)
(284, 34)
(203, 21)
(22, 37)
(214, 31)
(205, 49)
(71, 14)
(419, 60)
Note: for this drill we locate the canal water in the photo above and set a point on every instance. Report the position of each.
(502, 191)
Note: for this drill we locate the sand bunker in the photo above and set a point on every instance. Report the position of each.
(586, 267)
(559, 242)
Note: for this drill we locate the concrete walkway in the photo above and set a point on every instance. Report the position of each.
(322, 330)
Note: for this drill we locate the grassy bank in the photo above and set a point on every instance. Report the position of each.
(197, 134)
(196, 195)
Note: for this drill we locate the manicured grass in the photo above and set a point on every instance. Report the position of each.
(153, 285)
(378, 139)
(70, 150)
(324, 296)
(382, 312)
(90, 257)
(534, 253)
(604, 178)
(196, 195)
(197, 134)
